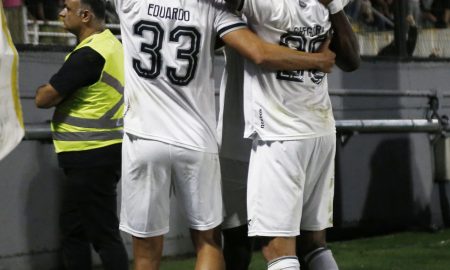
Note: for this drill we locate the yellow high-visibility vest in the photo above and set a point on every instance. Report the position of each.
(91, 117)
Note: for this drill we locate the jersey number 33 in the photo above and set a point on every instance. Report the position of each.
(153, 49)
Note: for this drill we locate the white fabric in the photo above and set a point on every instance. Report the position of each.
(287, 105)
(11, 122)
(173, 99)
(150, 169)
(335, 6)
(284, 263)
(321, 259)
(291, 186)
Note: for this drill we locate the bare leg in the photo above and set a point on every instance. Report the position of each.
(280, 253)
(208, 248)
(312, 248)
(277, 247)
(147, 252)
(309, 241)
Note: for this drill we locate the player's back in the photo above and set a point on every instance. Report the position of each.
(169, 87)
(288, 105)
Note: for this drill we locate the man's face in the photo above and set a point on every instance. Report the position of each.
(72, 15)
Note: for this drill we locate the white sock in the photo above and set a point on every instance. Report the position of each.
(284, 263)
(321, 259)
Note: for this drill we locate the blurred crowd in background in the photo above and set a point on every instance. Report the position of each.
(19, 12)
(366, 16)
(376, 14)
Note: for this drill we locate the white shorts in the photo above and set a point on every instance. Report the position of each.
(291, 186)
(234, 190)
(151, 170)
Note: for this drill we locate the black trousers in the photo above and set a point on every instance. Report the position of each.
(89, 216)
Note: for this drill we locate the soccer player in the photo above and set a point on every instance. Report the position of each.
(170, 128)
(289, 117)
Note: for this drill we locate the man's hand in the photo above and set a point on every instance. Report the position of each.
(326, 58)
(47, 97)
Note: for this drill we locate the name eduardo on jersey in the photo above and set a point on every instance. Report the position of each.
(170, 13)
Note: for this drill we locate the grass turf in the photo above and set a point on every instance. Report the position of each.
(402, 251)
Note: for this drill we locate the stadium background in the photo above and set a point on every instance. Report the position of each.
(385, 171)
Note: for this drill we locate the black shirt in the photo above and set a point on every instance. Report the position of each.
(83, 68)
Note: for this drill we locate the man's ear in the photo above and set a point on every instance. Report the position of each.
(85, 15)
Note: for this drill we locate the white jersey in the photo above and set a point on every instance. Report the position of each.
(169, 83)
(287, 105)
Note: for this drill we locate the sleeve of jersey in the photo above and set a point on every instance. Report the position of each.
(226, 22)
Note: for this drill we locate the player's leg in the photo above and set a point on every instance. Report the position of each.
(314, 251)
(280, 253)
(237, 246)
(318, 206)
(274, 201)
(147, 252)
(208, 249)
(145, 198)
(196, 179)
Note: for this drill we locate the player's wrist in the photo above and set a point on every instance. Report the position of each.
(335, 6)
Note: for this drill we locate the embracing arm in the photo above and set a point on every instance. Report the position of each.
(344, 42)
(277, 57)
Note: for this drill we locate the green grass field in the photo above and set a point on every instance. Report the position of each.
(403, 251)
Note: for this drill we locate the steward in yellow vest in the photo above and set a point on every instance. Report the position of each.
(91, 117)
(87, 92)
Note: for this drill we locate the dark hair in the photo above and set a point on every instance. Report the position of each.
(98, 7)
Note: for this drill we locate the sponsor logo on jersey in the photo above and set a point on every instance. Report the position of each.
(170, 13)
(261, 119)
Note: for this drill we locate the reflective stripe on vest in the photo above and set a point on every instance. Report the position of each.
(91, 117)
(88, 136)
(105, 121)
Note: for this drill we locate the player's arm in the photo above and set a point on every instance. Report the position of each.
(343, 42)
(277, 57)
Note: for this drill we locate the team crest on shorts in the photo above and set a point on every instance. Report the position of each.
(302, 4)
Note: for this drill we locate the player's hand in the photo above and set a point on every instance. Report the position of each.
(326, 56)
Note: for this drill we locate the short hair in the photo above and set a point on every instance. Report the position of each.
(98, 7)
